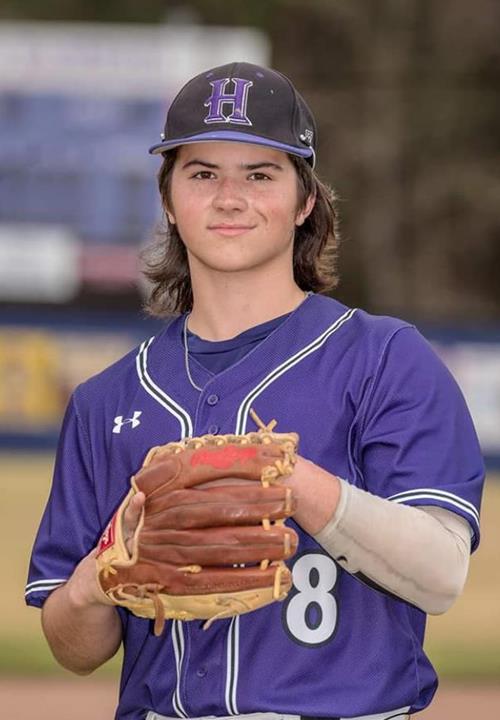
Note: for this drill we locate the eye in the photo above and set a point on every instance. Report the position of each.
(259, 176)
(203, 175)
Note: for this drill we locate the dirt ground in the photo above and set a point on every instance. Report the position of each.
(88, 699)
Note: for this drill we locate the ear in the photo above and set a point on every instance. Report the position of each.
(303, 214)
(170, 216)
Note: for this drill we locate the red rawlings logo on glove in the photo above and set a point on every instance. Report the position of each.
(108, 536)
(223, 458)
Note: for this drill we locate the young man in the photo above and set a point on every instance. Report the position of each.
(389, 477)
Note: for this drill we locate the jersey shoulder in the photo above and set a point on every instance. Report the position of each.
(115, 379)
(379, 327)
(364, 321)
(361, 328)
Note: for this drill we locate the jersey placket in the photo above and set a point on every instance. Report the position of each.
(209, 669)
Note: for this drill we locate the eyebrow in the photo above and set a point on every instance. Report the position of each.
(249, 166)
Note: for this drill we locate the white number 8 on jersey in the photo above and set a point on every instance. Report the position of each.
(310, 612)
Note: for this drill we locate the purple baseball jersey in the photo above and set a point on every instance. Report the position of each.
(373, 404)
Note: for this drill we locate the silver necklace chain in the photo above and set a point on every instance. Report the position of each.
(186, 356)
(186, 349)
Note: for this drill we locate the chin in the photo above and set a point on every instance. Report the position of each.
(226, 264)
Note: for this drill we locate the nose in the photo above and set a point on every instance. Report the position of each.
(230, 195)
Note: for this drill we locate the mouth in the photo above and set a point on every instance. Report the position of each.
(230, 230)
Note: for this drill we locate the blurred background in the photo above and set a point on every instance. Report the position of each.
(408, 109)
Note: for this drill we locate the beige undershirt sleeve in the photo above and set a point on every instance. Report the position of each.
(421, 554)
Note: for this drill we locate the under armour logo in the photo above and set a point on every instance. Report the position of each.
(133, 421)
(237, 100)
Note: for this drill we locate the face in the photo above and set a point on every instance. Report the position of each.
(235, 206)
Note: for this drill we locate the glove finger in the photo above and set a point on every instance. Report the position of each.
(210, 462)
(219, 546)
(171, 580)
(159, 477)
(224, 506)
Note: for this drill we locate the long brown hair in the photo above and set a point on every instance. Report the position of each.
(314, 253)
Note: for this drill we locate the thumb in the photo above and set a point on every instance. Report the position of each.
(131, 518)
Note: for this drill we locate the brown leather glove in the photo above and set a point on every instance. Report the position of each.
(206, 546)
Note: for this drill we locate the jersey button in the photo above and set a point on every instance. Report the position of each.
(212, 399)
(201, 672)
(213, 429)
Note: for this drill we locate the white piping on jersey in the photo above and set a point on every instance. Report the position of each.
(244, 409)
(158, 394)
(186, 431)
(186, 424)
(241, 422)
(178, 643)
(441, 495)
(41, 585)
(232, 660)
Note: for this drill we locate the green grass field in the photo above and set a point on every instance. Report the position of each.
(464, 643)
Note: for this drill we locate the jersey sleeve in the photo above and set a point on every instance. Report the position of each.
(70, 527)
(418, 444)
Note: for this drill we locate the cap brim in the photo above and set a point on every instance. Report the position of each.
(232, 136)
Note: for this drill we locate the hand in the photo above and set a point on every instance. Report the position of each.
(317, 492)
(131, 518)
(83, 587)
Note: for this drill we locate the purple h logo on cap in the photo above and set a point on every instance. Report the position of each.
(237, 99)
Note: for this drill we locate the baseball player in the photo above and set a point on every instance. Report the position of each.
(389, 475)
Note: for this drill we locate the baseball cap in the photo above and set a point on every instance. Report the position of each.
(241, 102)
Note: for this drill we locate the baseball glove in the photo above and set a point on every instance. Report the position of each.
(211, 541)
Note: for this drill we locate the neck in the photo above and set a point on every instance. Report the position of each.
(230, 304)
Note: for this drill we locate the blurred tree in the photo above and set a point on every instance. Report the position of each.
(408, 108)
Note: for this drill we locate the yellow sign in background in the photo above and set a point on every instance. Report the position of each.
(40, 368)
(30, 392)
